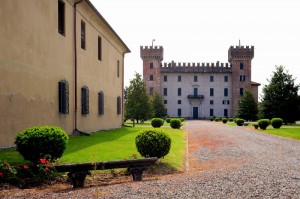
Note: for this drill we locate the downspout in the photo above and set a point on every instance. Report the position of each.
(123, 104)
(75, 65)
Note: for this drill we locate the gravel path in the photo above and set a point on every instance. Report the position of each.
(224, 162)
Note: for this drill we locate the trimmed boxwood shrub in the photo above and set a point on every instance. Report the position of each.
(230, 119)
(224, 120)
(276, 122)
(41, 141)
(153, 143)
(239, 121)
(168, 120)
(157, 122)
(263, 123)
(175, 123)
(217, 119)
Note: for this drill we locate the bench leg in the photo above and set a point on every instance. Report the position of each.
(78, 178)
(137, 173)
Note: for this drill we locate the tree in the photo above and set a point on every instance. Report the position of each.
(247, 107)
(137, 104)
(159, 109)
(280, 97)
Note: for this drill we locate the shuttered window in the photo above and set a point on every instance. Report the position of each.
(99, 48)
(118, 105)
(101, 103)
(61, 17)
(63, 97)
(83, 35)
(84, 100)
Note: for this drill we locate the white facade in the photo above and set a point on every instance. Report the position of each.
(192, 98)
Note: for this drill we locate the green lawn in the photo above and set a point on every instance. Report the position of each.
(290, 130)
(147, 124)
(108, 145)
(285, 131)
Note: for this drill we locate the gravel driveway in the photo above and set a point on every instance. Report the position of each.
(224, 162)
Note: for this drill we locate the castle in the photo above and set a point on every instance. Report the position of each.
(199, 90)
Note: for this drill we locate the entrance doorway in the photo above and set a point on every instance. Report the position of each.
(195, 113)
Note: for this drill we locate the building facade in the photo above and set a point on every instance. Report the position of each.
(200, 90)
(61, 64)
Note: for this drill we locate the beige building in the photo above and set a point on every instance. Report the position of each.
(61, 64)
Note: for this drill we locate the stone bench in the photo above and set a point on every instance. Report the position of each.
(78, 172)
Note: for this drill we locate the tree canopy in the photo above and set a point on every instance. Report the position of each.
(159, 109)
(137, 103)
(247, 108)
(280, 97)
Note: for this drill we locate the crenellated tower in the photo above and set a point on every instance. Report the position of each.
(152, 58)
(240, 58)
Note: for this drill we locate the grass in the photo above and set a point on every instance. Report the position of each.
(290, 131)
(148, 124)
(109, 145)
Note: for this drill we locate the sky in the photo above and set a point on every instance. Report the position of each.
(203, 31)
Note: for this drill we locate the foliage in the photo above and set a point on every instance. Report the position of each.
(276, 123)
(239, 121)
(212, 118)
(263, 123)
(170, 118)
(247, 106)
(217, 119)
(224, 120)
(175, 123)
(153, 143)
(159, 109)
(41, 141)
(230, 119)
(280, 97)
(28, 175)
(157, 122)
(137, 104)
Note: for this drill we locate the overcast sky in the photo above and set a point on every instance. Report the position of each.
(203, 30)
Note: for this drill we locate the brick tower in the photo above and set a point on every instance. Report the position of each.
(240, 59)
(152, 57)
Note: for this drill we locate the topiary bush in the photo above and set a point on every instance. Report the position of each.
(263, 123)
(239, 121)
(153, 143)
(41, 141)
(217, 119)
(168, 120)
(230, 119)
(157, 122)
(224, 120)
(276, 122)
(175, 123)
(181, 119)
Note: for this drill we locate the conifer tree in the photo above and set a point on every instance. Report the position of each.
(137, 104)
(247, 108)
(159, 109)
(280, 97)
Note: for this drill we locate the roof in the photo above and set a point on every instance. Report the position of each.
(102, 18)
(255, 83)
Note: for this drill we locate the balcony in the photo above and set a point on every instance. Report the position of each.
(195, 96)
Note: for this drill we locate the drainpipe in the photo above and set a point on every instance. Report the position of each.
(75, 63)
